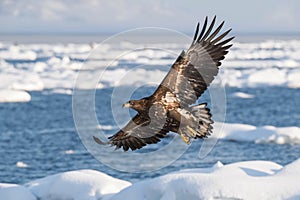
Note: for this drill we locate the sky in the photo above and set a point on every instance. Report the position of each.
(112, 16)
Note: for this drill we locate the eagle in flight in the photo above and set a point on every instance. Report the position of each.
(172, 106)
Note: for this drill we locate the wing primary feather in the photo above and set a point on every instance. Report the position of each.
(125, 146)
(140, 143)
(136, 143)
(196, 33)
(226, 47)
(131, 144)
(215, 32)
(203, 30)
(219, 50)
(224, 42)
(118, 145)
(209, 28)
(221, 37)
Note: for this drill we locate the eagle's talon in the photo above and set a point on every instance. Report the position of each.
(185, 139)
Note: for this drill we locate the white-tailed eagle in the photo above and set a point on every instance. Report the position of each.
(172, 106)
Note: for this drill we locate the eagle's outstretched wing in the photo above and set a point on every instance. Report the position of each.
(194, 70)
(140, 131)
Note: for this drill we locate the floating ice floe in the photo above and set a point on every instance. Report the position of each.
(243, 95)
(70, 151)
(264, 134)
(14, 96)
(21, 164)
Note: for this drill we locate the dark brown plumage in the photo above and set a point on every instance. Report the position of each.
(169, 107)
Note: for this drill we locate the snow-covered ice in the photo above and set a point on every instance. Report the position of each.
(243, 180)
(77, 185)
(240, 180)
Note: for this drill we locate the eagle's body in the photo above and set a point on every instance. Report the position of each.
(171, 107)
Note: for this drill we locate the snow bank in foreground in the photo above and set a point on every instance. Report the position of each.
(243, 180)
(264, 134)
(77, 185)
(7, 95)
(15, 192)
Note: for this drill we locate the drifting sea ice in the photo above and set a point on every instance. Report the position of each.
(264, 134)
(7, 95)
(32, 67)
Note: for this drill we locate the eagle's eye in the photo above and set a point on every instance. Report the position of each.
(131, 103)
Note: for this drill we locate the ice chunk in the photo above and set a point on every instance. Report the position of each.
(21, 164)
(243, 95)
(14, 96)
(249, 133)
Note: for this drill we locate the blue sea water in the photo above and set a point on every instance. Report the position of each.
(40, 132)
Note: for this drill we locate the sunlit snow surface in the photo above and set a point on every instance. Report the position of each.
(38, 137)
(241, 180)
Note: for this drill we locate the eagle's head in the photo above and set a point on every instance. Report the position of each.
(138, 105)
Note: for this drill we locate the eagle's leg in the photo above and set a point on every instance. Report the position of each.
(184, 137)
(192, 132)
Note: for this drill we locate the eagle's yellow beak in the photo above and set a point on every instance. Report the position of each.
(126, 105)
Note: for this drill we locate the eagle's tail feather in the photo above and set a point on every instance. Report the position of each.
(199, 124)
(203, 116)
(202, 126)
